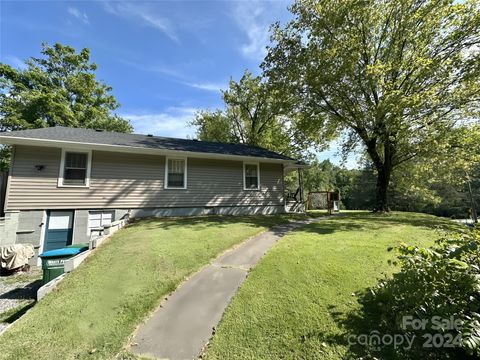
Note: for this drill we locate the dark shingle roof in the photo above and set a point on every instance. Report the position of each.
(90, 136)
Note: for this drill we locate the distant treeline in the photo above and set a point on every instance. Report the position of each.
(357, 188)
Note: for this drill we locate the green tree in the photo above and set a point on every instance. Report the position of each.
(395, 76)
(215, 126)
(60, 88)
(355, 186)
(254, 114)
(441, 184)
(320, 176)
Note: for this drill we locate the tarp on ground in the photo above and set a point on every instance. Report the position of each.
(15, 256)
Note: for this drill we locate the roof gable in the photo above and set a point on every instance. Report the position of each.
(137, 141)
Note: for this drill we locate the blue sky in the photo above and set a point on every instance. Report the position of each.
(164, 59)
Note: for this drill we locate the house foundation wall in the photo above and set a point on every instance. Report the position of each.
(8, 228)
(28, 226)
(202, 211)
(22, 227)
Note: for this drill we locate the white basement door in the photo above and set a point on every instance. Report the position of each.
(99, 218)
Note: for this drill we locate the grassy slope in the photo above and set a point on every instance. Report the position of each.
(295, 303)
(98, 306)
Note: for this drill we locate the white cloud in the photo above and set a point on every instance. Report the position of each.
(143, 13)
(173, 122)
(208, 86)
(15, 62)
(177, 76)
(251, 18)
(82, 16)
(156, 68)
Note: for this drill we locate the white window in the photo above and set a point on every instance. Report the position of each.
(75, 168)
(99, 218)
(176, 173)
(251, 176)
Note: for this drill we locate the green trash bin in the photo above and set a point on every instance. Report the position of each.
(53, 261)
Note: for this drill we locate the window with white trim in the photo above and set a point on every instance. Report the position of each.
(251, 176)
(75, 168)
(176, 173)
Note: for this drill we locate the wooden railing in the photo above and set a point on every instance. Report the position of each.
(293, 196)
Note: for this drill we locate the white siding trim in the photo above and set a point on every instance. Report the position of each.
(74, 223)
(185, 177)
(258, 176)
(62, 168)
(9, 179)
(42, 237)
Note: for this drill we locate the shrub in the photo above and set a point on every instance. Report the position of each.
(439, 289)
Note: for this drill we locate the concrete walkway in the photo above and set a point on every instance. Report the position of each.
(182, 326)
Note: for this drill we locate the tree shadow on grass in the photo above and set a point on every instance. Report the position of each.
(331, 226)
(371, 222)
(24, 292)
(400, 218)
(199, 223)
(17, 312)
(25, 296)
(337, 223)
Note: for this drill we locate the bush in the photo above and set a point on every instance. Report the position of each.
(434, 299)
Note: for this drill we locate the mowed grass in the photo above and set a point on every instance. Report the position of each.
(97, 307)
(297, 303)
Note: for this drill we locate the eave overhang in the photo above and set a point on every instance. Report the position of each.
(13, 140)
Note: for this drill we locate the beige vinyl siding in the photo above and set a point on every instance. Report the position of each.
(121, 180)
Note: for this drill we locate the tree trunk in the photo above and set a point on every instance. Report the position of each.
(384, 170)
(383, 180)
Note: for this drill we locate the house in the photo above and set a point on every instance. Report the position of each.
(64, 182)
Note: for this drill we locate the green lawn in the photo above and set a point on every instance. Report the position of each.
(299, 302)
(97, 307)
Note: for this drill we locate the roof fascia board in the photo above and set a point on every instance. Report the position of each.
(292, 167)
(12, 140)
